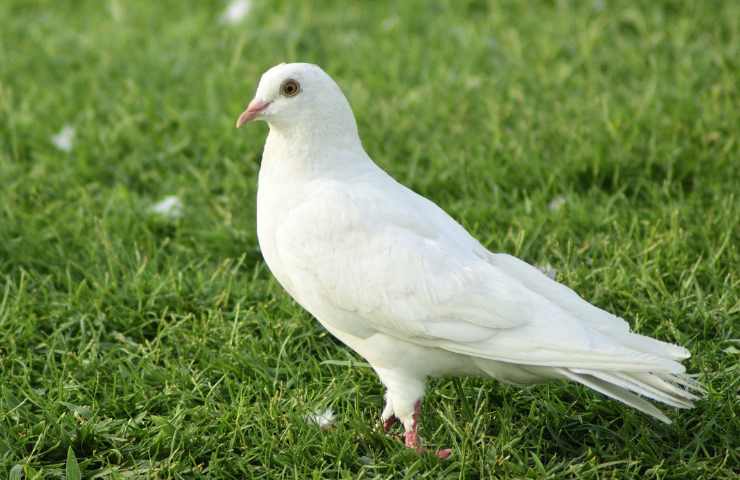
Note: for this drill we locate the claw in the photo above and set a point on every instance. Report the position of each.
(389, 422)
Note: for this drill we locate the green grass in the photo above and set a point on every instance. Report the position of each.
(147, 347)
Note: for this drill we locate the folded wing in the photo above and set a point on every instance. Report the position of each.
(408, 270)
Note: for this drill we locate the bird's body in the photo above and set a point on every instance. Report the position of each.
(395, 278)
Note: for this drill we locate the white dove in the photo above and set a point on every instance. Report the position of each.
(394, 277)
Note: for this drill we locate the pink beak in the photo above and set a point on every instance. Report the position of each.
(254, 108)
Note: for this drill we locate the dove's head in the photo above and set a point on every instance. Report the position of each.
(300, 97)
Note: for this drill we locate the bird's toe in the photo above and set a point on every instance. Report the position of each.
(389, 422)
(443, 453)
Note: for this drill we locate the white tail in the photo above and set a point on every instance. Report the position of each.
(668, 388)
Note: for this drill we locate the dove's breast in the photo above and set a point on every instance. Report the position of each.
(281, 205)
(284, 187)
(311, 230)
(275, 202)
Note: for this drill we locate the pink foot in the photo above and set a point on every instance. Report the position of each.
(411, 436)
(444, 453)
(412, 439)
(389, 423)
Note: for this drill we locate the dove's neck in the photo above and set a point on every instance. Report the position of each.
(320, 145)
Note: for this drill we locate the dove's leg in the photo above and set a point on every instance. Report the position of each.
(412, 438)
(403, 392)
(403, 395)
(411, 427)
(388, 417)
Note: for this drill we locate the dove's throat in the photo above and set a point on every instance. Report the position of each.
(316, 147)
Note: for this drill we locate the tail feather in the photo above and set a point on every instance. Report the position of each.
(665, 383)
(622, 386)
(642, 387)
(687, 382)
(617, 393)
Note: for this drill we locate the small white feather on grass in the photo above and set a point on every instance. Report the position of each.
(324, 419)
(64, 140)
(236, 11)
(557, 203)
(169, 207)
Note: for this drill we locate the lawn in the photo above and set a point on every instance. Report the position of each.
(598, 138)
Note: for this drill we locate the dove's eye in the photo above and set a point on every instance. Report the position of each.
(290, 88)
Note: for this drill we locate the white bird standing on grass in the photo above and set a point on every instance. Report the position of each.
(399, 281)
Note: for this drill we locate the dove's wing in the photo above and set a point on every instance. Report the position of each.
(392, 268)
(402, 265)
(570, 302)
